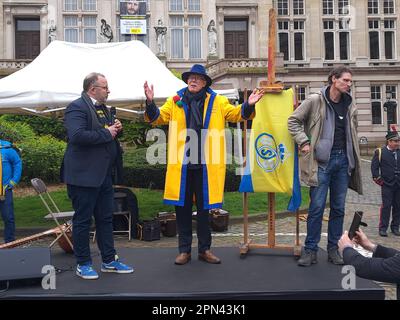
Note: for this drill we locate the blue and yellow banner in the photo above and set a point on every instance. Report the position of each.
(272, 160)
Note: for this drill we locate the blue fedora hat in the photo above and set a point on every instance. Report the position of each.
(197, 69)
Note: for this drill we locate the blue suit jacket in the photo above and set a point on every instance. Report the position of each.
(89, 152)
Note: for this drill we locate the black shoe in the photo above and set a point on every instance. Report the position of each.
(307, 258)
(396, 232)
(334, 256)
(383, 233)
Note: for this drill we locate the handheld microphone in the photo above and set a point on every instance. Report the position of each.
(113, 113)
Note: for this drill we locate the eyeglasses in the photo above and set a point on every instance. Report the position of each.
(195, 78)
(103, 87)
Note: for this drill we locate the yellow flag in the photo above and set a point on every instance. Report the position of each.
(272, 163)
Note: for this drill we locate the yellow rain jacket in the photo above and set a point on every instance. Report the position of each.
(217, 111)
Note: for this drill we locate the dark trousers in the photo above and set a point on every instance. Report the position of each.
(7, 213)
(390, 203)
(194, 185)
(88, 202)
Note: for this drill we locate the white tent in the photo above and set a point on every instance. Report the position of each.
(55, 77)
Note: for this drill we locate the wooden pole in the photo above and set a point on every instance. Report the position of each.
(271, 47)
(245, 194)
(297, 243)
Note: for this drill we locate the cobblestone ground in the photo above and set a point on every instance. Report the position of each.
(369, 203)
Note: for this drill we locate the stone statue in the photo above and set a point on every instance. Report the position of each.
(212, 38)
(161, 31)
(106, 31)
(52, 32)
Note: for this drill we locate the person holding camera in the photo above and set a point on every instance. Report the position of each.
(384, 265)
(385, 169)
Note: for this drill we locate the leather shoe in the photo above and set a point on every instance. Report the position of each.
(383, 233)
(307, 258)
(209, 257)
(183, 258)
(396, 232)
(334, 257)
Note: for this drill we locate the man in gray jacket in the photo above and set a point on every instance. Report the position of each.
(325, 128)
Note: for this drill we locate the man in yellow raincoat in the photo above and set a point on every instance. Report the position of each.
(196, 154)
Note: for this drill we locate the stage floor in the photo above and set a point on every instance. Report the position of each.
(260, 275)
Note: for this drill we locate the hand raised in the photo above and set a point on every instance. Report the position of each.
(255, 96)
(149, 92)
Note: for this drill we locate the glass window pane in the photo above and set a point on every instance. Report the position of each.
(301, 94)
(89, 35)
(177, 43)
(373, 7)
(89, 5)
(375, 92)
(235, 25)
(327, 6)
(176, 21)
(374, 44)
(284, 45)
(28, 25)
(194, 5)
(298, 46)
(298, 7)
(392, 115)
(194, 43)
(344, 45)
(71, 35)
(175, 5)
(392, 90)
(343, 7)
(376, 112)
(283, 7)
(70, 5)
(194, 21)
(89, 21)
(388, 6)
(71, 21)
(389, 44)
(329, 46)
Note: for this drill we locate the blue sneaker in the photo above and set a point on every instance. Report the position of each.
(116, 266)
(86, 272)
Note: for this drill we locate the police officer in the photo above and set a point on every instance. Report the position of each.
(385, 168)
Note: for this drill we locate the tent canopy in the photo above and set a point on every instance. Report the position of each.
(54, 79)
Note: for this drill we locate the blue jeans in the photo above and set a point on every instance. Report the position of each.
(7, 213)
(88, 202)
(334, 178)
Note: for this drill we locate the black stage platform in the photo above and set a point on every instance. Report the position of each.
(261, 275)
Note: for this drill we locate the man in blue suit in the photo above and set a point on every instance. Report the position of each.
(10, 174)
(89, 163)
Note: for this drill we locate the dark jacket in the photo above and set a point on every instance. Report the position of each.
(387, 167)
(91, 151)
(384, 266)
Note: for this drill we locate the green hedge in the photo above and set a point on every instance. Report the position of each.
(40, 125)
(42, 158)
(15, 132)
(41, 155)
(139, 174)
